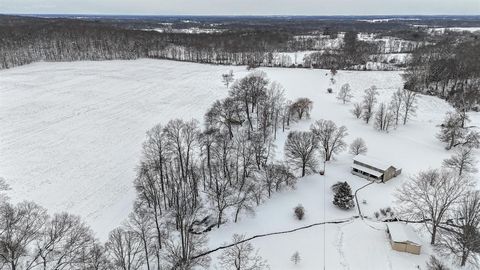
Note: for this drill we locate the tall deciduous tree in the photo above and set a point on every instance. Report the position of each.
(430, 195)
(300, 151)
(369, 101)
(460, 237)
(463, 161)
(358, 147)
(345, 93)
(329, 137)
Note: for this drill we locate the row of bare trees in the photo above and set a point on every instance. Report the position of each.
(32, 239)
(304, 149)
(191, 179)
(401, 108)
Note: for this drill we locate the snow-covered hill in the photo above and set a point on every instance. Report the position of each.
(71, 135)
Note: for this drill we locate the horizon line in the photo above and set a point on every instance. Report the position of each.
(241, 15)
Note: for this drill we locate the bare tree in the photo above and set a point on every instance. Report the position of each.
(369, 101)
(182, 253)
(141, 223)
(302, 107)
(224, 113)
(409, 104)
(125, 249)
(20, 226)
(358, 147)
(430, 195)
(300, 151)
(460, 237)
(396, 105)
(453, 134)
(62, 243)
(330, 137)
(227, 78)
(345, 93)
(220, 194)
(357, 110)
(275, 177)
(95, 257)
(249, 91)
(241, 256)
(436, 264)
(383, 118)
(463, 161)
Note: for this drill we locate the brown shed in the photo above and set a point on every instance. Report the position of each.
(403, 238)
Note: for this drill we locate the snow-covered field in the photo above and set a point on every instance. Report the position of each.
(71, 133)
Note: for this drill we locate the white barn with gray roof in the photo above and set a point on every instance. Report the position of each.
(374, 169)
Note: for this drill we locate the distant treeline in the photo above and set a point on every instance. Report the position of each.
(449, 69)
(25, 40)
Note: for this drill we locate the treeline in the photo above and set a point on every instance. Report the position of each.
(352, 52)
(25, 40)
(192, 179)
(31, 40)
(450, 70)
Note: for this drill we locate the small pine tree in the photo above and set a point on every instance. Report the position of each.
(296, 258)
(343, 197)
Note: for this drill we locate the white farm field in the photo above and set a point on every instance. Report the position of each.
(71, 136)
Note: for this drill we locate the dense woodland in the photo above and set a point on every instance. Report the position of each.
(449, 69)
(238, 41)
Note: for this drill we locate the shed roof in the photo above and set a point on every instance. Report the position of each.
(401, 232)
(372, 162)
(367, 170)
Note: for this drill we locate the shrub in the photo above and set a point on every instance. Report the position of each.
(384, 213)
(299, 212)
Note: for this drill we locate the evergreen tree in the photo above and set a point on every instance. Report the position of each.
(343, 196)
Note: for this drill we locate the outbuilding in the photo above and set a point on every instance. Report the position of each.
(373, 169)
(403, 238)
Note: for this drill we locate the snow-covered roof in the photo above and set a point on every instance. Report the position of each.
(401, 232)
(372, 162)
(367, 170)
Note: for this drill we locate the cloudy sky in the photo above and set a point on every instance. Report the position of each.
(243, 7)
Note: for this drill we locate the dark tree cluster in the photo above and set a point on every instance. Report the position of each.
(191, 179)
(352, 53)
(448, 69)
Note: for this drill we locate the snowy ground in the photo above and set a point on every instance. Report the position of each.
(71, 133)
(70, 138)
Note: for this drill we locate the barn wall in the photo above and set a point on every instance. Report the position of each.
(405, 247)
(389, 174)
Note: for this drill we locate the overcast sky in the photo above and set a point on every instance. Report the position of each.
(244, 7)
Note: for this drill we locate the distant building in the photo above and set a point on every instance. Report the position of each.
(403, 238)
(373, 169)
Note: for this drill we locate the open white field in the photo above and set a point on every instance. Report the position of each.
(71, 133)
(70, 138)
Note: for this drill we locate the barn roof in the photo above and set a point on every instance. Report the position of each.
(401, 232)
(372, 162)
(367, 170)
